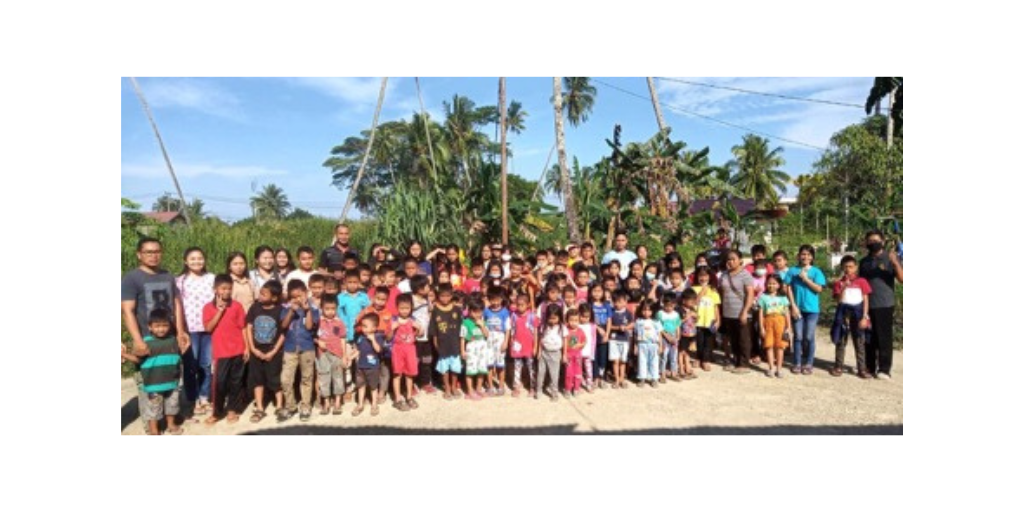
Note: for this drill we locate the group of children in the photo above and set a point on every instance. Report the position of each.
(362, 331)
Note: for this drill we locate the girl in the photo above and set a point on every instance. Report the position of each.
(602, 308)
(670, 330)
(195, 285)
(572, 353)
(242, 289)
(549, 351)
(636, 270)
(641, 254)
(443, 276)
(759, 271)
(652, 284)
(524, 339)
(773, 318)
(590, 331)
(415, 250)
(285, 266)
(495, 276)
(806, 282)
(266, 268)
(701, 261)
(647, 348)
(552, 300)
(458, 272)
(709, 316)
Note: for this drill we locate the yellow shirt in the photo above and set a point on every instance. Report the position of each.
(706, 306)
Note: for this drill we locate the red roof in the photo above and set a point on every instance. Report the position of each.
(163, 217)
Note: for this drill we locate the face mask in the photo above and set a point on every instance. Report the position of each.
(495, 276)
(875, 247)
(506, 257)
(761, 272)
(650, 277)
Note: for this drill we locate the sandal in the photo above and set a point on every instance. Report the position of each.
(357, 411)
(177, 432)
(402, 406)
(336, 411)
(835, 372)
(257, 416)
(374, 410)
(448, 397)
(412, 404)
(201, 409)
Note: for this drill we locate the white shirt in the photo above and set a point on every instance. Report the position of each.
(624, 258)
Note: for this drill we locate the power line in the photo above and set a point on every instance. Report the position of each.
(709, 118)
(762, 93)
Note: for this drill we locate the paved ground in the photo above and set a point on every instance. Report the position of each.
(715, 403)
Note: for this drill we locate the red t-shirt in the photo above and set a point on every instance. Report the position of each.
(470, 285)
(851, 292)
(404, 333)
(524, 328)
(391, 307)
(769, 267)
(227, 336)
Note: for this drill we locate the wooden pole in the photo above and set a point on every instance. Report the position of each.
(366, 156)
(504, 163)
(167, 159)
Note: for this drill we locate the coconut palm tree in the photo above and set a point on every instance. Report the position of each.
(270, 203)
(578, 103)
(757, 174)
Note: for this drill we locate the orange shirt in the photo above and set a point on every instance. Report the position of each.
(384, 326)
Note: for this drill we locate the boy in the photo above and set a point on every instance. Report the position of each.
(569, 297)
(676, 285)
(386, 276)
(475, 349)
(852, 294)
(517, 284)
(620, 325)
(405, 329)
(264, 338)
(757, 253)
(420, 287)
(331, 286)
(524, 338)
(543, 267)
(499, 327)
(687, 332)
(350, 303)
(161, 371)
(476, 269)
(379, 308)
(225, 320)
(411, 268)
(331, 361)
(781, 260)
(305, 270)
(368, 347)
(671, 351)
(365, 276)
(444, 330)
(317, 284)
(298, 323)
(574, 254)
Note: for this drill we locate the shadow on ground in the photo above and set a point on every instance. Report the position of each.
(571, 430)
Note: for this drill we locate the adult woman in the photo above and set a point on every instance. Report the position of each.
(195, 285)
(283, 260)
(882, 270)
(736, 287)
(266, 267)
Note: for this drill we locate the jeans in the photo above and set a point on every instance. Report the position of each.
(803, 339)
(670, 359)
(198, 363)
(647, 366)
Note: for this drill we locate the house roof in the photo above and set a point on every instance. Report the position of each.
(163, 217)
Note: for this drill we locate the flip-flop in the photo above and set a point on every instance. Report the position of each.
(257, 416)
(412, 403)
(374, 410)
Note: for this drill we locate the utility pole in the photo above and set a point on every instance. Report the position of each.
(891, 124)
(657, 105)
(366, 156)
(160, 141)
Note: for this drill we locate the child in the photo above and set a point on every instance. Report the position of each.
(331, 287)
(411, 268)
(670, 331)
(602, 315)
(495, 276)
(569, 297)
(572, 353)
(549, 351)
(365, 276)
(581, 278)
(852, 293)
(759, 273)
(368, 347)
(589, 348)
(774, 322)
(648, 344)
(676, 285)
(524, 339)
(386, 275)
(688, 332)
(620, 325)
(635, 293)
(305, 269)
(473, 282)
(299, 323)
(444, 330)
(160, 365)
(781, 260)
(316, 289)
(806, 281)
(517, 284)
(331, 361)
(225, 320)
(421, 307)
(351, 302)
(474, 348)
(653, 286)
(499, 327)
(758, 253)
(379, 308)
(709, 316)
(264, 337)
(552, 298)
(722, 240)
(243, 290)
(404, 330)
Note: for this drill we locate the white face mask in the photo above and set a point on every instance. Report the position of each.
(760, 272)
(495, 276)
(650, 277)
(506, 257)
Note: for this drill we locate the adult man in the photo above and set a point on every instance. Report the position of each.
(142, 290)
(621, 254)
(333, 257)
(881, 269)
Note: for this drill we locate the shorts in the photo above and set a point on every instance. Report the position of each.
(774, 326)
(368, 377)
(425, 352)
(266, 374)
(330, 371)
(496, 357)
(403, 359)
(478, 354)
(688, 344)
(618, 350)
(450, 364)
(160, 405)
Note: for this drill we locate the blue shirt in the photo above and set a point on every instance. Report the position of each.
(369, 358)
(805, 298)
(349, 306)
(297, 338)
(602, 311)
(621, 319)
(498, 321)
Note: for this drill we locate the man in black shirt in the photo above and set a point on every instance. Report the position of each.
(334, 256)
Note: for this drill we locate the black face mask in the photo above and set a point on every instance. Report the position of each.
(875, 247)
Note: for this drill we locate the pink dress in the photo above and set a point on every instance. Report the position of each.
(574, 360)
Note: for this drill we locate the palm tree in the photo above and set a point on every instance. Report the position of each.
(270, 203)
(461, 120)
(579, 99)
(757, 171)
(891, 86)
(578, 103)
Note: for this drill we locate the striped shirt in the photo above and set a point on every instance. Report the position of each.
(161, 369)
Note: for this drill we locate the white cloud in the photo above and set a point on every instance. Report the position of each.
(190, 170)
(202, 95)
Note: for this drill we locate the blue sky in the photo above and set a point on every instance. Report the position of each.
(224, 135)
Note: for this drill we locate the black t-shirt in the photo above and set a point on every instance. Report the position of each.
(446, 326)
(333, 258)
(881, 275)
(266, 323)
(149, 291)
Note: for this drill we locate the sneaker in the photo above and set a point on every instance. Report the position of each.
(305, 415)
(284, 415)
(884, 376)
